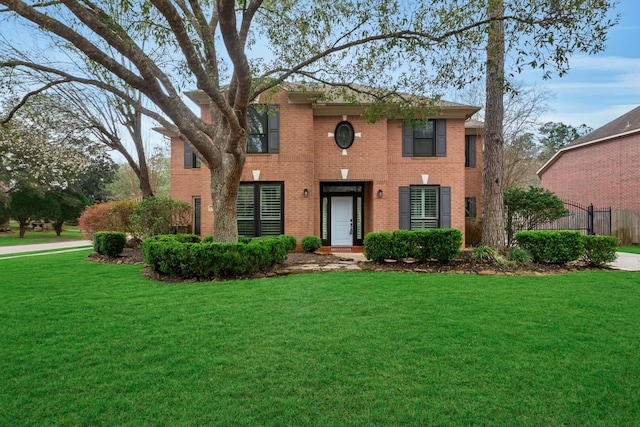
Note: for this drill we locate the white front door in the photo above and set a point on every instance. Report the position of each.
(342, 221)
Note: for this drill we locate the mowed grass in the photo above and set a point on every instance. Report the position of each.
(95, 344)
(12, 237)
(629, 249)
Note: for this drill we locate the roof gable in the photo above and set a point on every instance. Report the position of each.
(626, 124)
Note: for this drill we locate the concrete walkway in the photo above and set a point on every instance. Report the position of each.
(626, 262)
(57, 247)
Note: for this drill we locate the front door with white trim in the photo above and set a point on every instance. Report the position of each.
(342, 221)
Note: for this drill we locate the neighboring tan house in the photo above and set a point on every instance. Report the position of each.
(601, 168)
(319, 168)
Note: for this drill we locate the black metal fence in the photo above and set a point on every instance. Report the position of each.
(586, 219)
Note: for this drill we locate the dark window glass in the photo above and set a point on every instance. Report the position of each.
(258, 129)
(470, 207)
(344, 135)
(424, 141)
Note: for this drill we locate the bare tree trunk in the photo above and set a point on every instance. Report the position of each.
(23, 228)
(225, 181)
(57, 226)
(493, 232)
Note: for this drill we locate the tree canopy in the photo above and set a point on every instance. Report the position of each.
(234, 51)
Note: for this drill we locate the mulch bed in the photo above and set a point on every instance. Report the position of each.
(461, 265)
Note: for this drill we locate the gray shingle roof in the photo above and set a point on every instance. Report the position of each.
(626, 124)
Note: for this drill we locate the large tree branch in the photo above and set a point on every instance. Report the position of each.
(26, 97)
(203, 79)
(277, 76)
(236, 50)
(95, 83)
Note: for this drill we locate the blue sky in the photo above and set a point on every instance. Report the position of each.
(602, 87)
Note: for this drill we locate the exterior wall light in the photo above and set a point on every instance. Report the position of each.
(380, 193)
(305, 192)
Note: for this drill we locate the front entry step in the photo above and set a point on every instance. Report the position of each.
(338, 249)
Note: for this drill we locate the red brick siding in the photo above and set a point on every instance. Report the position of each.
(605, 174)
(309, 156)
(473, 176)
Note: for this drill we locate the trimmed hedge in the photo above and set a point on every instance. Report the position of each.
(311, 243)
(110, 243)
(555, 247)
(160, 215)
(168, 254)
(442, 244)
(600, 250)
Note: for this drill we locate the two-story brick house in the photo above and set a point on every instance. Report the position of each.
(318, 168)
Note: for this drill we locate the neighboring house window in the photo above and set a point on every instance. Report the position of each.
(424, 207)
(470, 151)
(425, 140)
(470, 207)
(191, 160)
(260, 209)
(264, 125)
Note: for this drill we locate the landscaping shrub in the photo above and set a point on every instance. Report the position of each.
(377, 246)
(110, 216)
(110, 243)
(556, 247)
(422, 240)
(445, 243)
(241, 239)
(600, 250)
(169, 254)
(290, 242)
(187, 238)
(526, 209)
(311, 243)
(442, 244)
(403, 244)
(519, 255)
(484, 254)
(160, 215)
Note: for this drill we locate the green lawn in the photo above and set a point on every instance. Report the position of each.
(12, 238)
(96, 344)
(629, 249)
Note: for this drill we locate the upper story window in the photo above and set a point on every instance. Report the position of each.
(264, 129)
(191, 160)
(424, 141)
(470, 151)
(428, 139)
(344, 135)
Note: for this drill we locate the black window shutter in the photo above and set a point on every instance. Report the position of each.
(405, 208)
(441, 138)
(407, 140)
(274, 129)
(188, 156)
(472, 151)
(445, 207)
